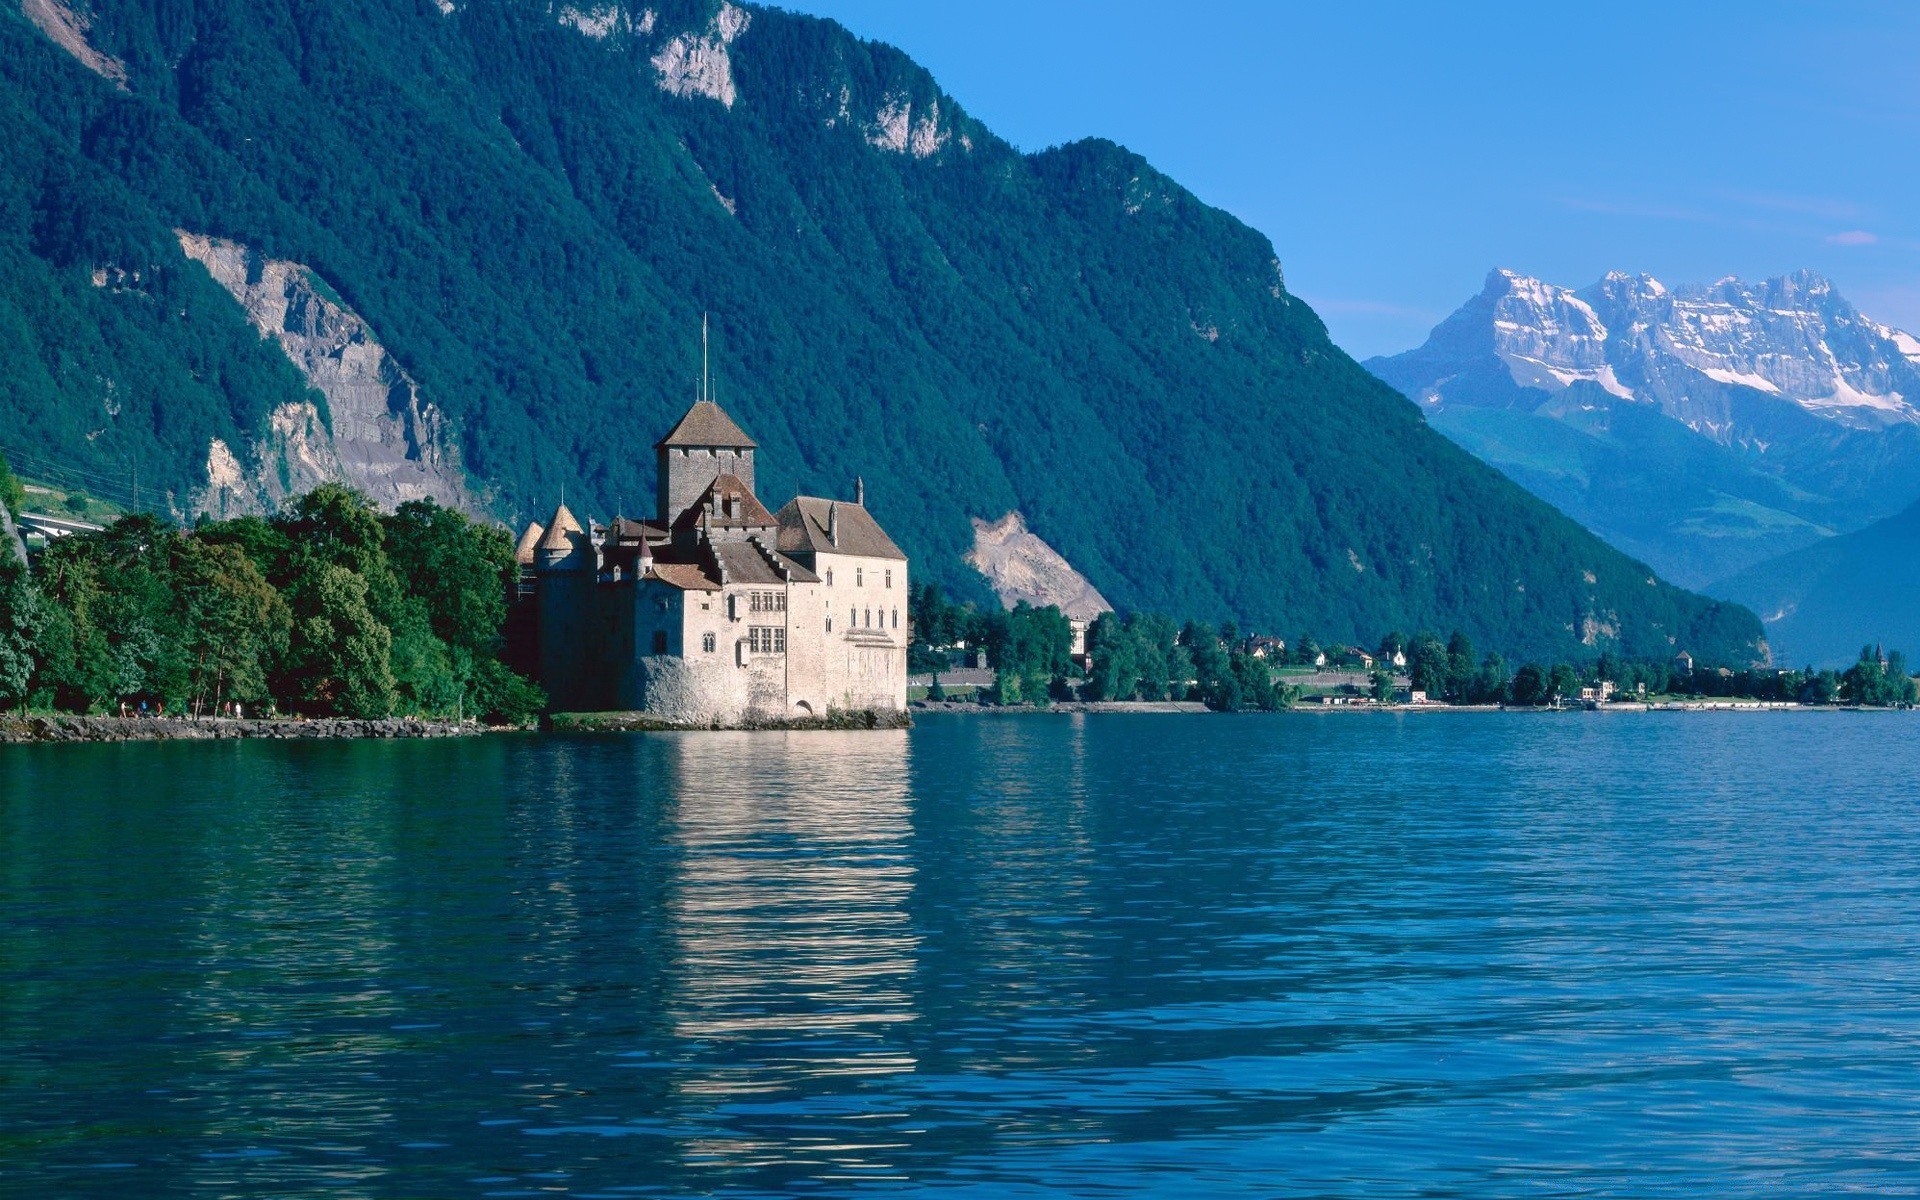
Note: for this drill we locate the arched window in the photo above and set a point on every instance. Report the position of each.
(829, 576)
(869, 618)
(896, 618)
(706, 642)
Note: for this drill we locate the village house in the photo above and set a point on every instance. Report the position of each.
(716, 611)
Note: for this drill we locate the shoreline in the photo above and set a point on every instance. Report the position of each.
(1068, 708)
(60, 728)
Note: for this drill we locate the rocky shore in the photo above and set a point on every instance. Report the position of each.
(160, 729)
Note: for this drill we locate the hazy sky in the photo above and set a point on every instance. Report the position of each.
(1396, 152)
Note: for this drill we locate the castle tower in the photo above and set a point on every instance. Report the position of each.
(705, 445)
(563, 564)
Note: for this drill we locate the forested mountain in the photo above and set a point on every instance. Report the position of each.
(1823, 603)
(526, 207)
(1704, 428)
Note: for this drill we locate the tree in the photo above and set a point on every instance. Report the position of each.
(22, 626)
(340, 659)
(1381, 687)
(1493, 684)
(1461, 668)
(1428, 665)
(1563, 683)
(233, 623)
(1530, 686)
(13, 496)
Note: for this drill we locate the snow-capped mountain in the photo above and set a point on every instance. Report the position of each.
(1702, 427)
(1684, 349)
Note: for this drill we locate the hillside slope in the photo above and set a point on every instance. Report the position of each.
(1823, 603)
(530, 205)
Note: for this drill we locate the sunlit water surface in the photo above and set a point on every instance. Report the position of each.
(1445, 955)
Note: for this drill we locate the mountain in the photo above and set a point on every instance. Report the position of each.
(462, 248)
(1823, 603)
(1702, 428)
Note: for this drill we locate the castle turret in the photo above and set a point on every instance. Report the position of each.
(564, 573)
(705, 445)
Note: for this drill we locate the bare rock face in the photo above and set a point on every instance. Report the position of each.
(68, 27)
(1021, 566)
(696, 63)
(376, 433)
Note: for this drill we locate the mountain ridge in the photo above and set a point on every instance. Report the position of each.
(1704, 427)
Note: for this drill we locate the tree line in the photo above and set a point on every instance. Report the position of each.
(1142, 656)
(1146, 656)
(330, 608)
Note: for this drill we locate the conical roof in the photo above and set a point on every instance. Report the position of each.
(529, 542)
(706, 425)
(558, 529)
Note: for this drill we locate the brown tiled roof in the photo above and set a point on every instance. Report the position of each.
(706, 425)
(626, 529)
(747, 563)
(748, 513)
(804, 522)
(558, 528)
(688, 577)
(529, 542)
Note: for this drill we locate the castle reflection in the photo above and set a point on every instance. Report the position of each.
(793, 947)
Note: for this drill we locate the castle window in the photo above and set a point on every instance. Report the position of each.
(829, 622)
(889, 576)
(766, 639)
(829, 576)
(706, 642)
(659, 641)
(859, 577)
(869, 618)
(896, 618)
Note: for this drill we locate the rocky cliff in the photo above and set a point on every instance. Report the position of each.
(1019, 565)
(374, 431)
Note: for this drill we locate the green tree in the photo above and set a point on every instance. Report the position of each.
(1531, 687)
(1380, 687)
(1462, 667)
(340, 659)
(233, 623)
(12, 495)
(22, 627)
(1428, 666)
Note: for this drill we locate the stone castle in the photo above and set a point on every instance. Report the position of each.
(716, 611)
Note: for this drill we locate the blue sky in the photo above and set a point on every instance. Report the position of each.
(1396, 152)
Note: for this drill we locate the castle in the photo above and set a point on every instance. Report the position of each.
(718, 612)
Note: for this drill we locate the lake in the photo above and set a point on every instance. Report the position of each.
(1341, 954)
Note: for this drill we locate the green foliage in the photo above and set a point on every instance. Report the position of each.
(533, 231)
(1878, 681)
(329, 609)
(13, 497)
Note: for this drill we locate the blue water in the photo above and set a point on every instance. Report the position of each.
(1345, 954)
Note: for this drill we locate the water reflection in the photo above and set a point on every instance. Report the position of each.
(793, 946)
(1221, 957)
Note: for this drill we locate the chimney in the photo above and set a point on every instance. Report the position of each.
(860, 491)
(833, 524)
